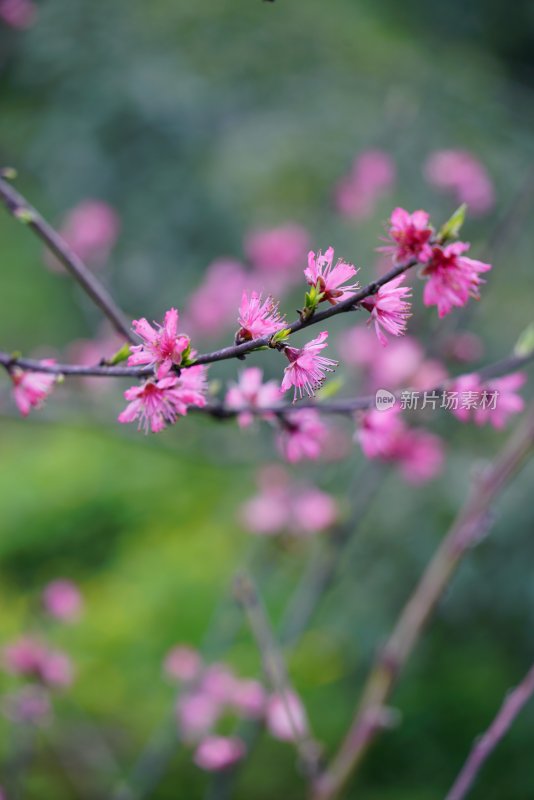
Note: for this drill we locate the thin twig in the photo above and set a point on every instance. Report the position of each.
(18, 206)
(472, 523)
(274, 667)
(483, 747)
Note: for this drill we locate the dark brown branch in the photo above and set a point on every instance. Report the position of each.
(19, 207)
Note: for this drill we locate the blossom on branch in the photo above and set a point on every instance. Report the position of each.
(215, 753)
(286, 717)
(163, 347)
(250, 393)
(306, 369)
(452, 277)
(389, 308)
(257, 317)
(328, 277)
(31, 388)
(411, 234)
(159, 403)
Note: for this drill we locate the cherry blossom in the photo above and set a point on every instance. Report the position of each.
(452, 277)
(329, 277)
(251, 392)
(215, 753)
(163, 347)
(302, 436)
(286, 716)
(389, 308)
(31, 388)
(306, 369)
(410, 234)
(257, 317)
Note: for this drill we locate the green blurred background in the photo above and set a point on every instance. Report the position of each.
(198, 121)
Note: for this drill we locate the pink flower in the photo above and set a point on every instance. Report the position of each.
(218, 682)
(257, 318)
(182, 663)
(18, 13)
(31, 704)
(158, 403)
(383, 435)
(62, 600)
(211, 308)
(411, 234)
(285, 506)
(493, 401)
(461, 173)
(30, 658)
(31, 388)
(306, 369)
(452, 277)
(276, 254)
(302, 436)
(250, 393)
(286, 717)
(196, 714)
(389, 308)
(248, 698)
(329, 277)
(162, 346)
(215, 753)
(372, 175)
(91, 229)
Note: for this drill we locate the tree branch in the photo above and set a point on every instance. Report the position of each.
(473, 521)
(19, 208)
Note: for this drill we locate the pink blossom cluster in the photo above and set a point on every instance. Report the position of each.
(249, 394)
(493, 402)
(464, 176)
(371, 177)
(384, 435)
(29, 658)
(451, 276)
(211, 692)
(91, 230)
(283, 506)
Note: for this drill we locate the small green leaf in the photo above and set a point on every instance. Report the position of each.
(187, 361)
(525, 344)
(24, 215)
(280, 337)
(119, 356)
(330, 389)
(451, 229)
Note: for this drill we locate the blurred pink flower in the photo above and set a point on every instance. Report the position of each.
(384, 435)
(389, 308)
(462, 174)
(276, 255)
(257, 317)
(282, 505)
(91, 229)
(162, 347)
(286, 717)
(18, 13)
(302, 436)
(31, 388)
(218, 752)
(62, 600)
(196, 713)
(489, 402)
(372, 176)
(218, 682)
(250, 392)
(158, 403)
(452, 277)
(410, 234)
(29, 658)
(248, 698)
(306, 369)
(464, 346)
(211, 308)
(183, 663)
(329, 277)
(31, 704)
